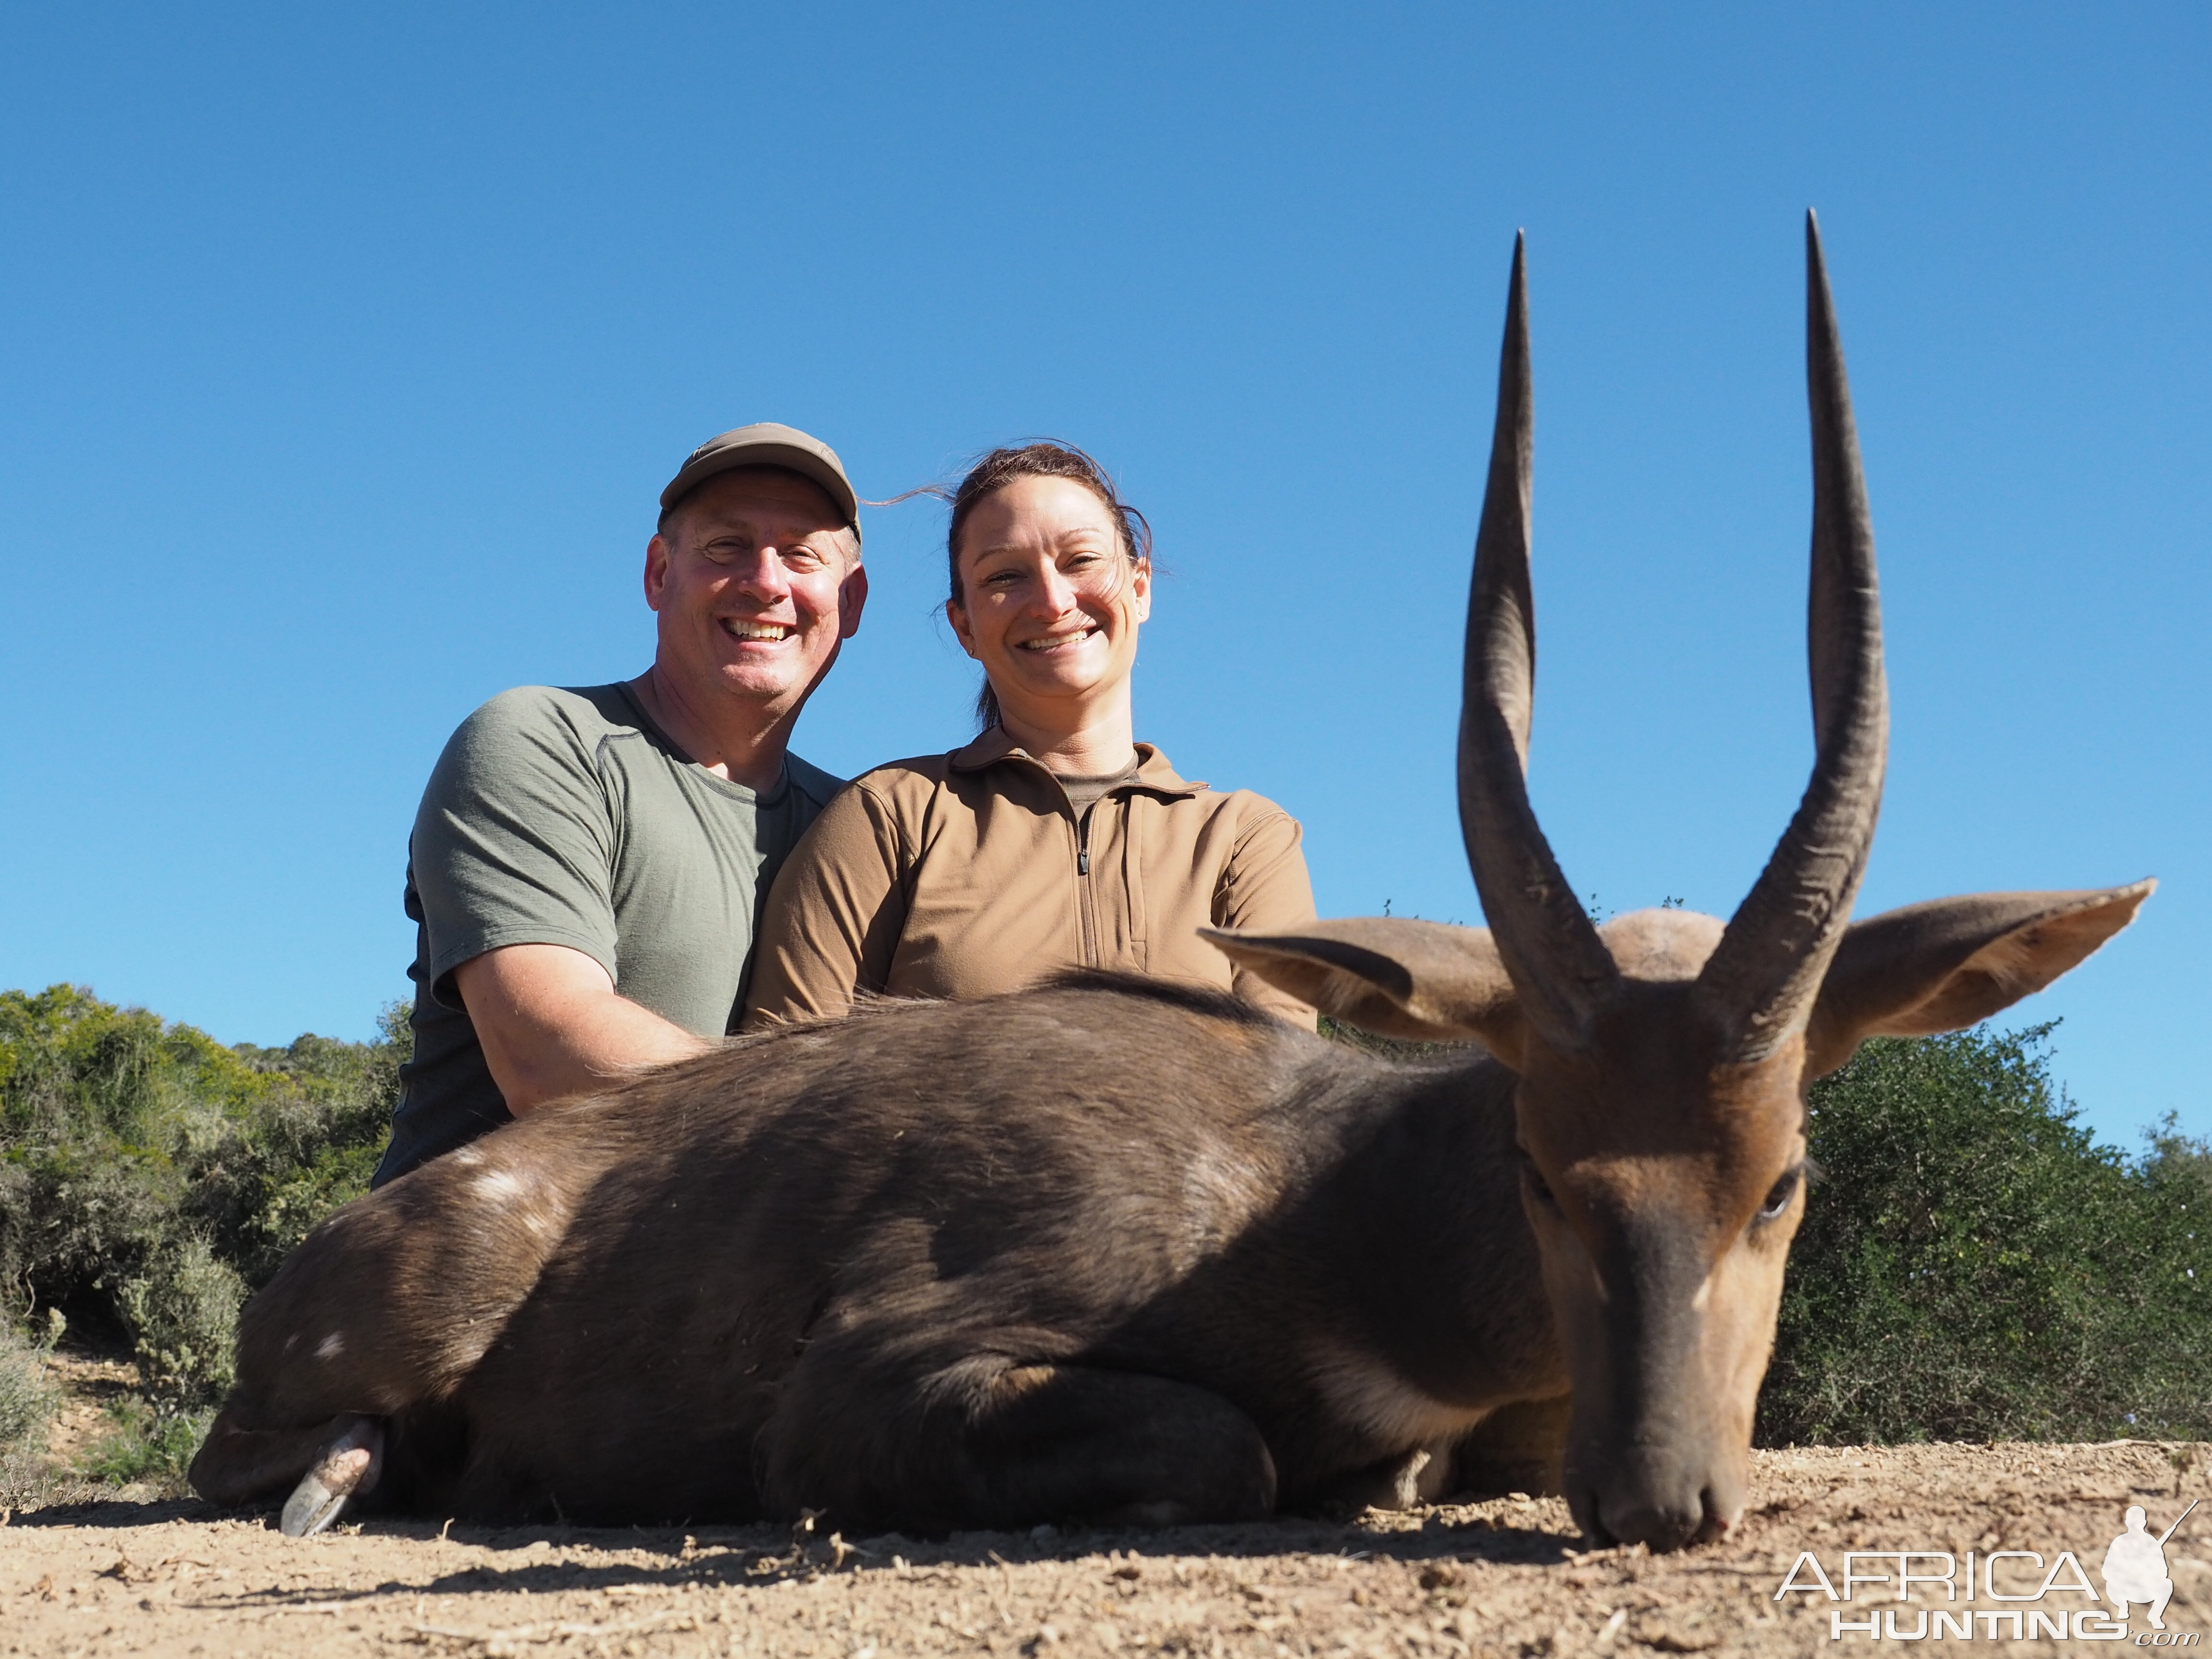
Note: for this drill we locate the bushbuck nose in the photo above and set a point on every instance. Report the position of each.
(1657, 1523)
(1661, 1502)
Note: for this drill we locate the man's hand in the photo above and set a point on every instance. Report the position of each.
(552, 1024)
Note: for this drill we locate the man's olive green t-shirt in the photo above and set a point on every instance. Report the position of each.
(565, 817)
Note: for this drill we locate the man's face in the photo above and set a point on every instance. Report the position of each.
(756, 582)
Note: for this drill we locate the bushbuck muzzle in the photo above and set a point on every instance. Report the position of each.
(1118, 1251)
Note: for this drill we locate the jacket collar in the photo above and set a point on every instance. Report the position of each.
(1154, 771)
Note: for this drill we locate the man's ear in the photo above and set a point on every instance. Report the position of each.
(1421, 979)
(852, 597)
(657, 555)
(1949, 964)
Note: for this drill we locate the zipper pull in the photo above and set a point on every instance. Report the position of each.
(1083, 861)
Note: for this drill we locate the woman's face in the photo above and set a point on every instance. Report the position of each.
(1049, 603)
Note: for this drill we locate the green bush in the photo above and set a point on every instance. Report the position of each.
(149, 1177)
(147, 1446)
(1973, 1267)
(28, 1400)
(183, 1318)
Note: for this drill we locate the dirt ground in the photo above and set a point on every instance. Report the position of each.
(1504, 1578)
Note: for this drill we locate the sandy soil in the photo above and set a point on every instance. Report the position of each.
(92, 1384)
(1505, 1577)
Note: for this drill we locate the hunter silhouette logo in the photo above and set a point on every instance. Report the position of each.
(2135, 1566)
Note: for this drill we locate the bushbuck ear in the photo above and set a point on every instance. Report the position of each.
(1947, 963)
(1422, 980)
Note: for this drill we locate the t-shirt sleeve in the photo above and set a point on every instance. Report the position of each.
(834, 917)
(1266, 888)
(514, 842)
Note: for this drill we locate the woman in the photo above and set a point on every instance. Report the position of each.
(1055, 840)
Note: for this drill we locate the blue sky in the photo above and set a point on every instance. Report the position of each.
(346, 351)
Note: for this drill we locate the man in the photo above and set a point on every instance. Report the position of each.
(588, 867)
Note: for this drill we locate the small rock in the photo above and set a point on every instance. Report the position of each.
(1677, 1629)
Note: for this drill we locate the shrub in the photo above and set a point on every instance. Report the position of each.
(28, 1399)
(147, 1446)
(182, 1314)
(150, 1176)
(1973, 1267)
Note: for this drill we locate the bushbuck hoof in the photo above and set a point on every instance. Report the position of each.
(348, 1466)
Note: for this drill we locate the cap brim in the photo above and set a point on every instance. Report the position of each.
(789, 456)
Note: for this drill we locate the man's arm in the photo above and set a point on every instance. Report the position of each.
(552, 1024)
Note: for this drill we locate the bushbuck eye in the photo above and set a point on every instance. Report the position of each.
(1538, 1188)
(1778, 1195)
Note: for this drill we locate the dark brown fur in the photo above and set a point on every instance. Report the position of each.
(1097, 1251)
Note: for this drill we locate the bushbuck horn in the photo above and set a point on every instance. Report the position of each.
(1762, 978)
(1549, 946)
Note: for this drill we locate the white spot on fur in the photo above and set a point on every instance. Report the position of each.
(330, 1347)
(1704, 1294)
(496, 1187)
(468, 1157)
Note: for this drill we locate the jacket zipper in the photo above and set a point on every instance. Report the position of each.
(1083, 905)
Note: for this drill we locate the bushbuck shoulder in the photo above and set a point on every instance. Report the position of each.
(1112, 1250)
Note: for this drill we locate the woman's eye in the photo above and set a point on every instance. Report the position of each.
(1778, 1196)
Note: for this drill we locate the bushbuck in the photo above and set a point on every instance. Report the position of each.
(1116, 1251)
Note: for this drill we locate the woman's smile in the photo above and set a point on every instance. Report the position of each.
(1066, 640)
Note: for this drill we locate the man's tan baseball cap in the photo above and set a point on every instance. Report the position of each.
(766, 443)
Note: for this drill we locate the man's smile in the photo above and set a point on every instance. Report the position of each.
(751, 628)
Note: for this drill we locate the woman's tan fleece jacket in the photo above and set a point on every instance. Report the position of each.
(967, 874)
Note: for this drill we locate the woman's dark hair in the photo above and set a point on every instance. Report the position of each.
(1039, 458)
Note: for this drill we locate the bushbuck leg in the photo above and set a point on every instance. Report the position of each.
(238, 1465)
(349, 1464)
(995, 1443)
